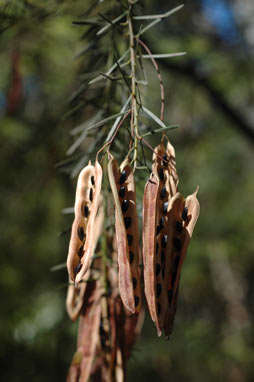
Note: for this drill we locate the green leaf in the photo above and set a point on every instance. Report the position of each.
(113, 128)
(100, 77)
(68, 210)
(169, 13)
(160, 130)
(79, 128)
(153, 116)
(58, 267)
(165, 55)
(108, 26)
(161, 16)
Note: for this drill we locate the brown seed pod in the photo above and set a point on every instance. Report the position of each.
(185, 212)
(75, 294)
(81, 247)
(126, 224)
(165, 236)
(160, 188)
(88, 336)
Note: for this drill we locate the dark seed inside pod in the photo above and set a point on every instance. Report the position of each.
(92, 180)
(185, 213)
(125, 205)
(179, 227)
(162, 256)
(163, 273)
(91, 195)
(122, 192)
(80, 251)
(127, 222)
(134, 282)
(158, 229)
(158, 290)
(77, 269)
(86, 211)
(161, 174)
(130, 239)
(177, 243)
(173, 279)
(163, 192)
(158, 308)
(164, 241)
(123, 177)
(158, 268)
(136, 300)
(165, 159)
(157, 248)
(81, 233)
(176, 261)
(170, 295)
(131, 254)
(162, 222)
(165, 208)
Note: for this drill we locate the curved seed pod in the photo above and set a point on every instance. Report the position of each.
(183, 217)
(88, 335)
(75, 294)
(149, 245)
(126, 224)
(82, 244)
(168, 223)
(159, 190)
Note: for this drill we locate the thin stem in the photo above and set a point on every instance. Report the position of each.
(158, 74)
(134, 109)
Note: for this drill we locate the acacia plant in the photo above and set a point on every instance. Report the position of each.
(107, 263)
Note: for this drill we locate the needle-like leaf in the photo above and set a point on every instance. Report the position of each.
(171, 127)
(108, 26)
(165, 55)
(157, 20)
(154, 117)
(113, 128)
(100, 77)
(161, 16)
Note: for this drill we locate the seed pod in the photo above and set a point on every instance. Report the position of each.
(165, 237)
(126, 225)
(161, 186)
(75, 294)
(178, 241)
(82, 243)
(88, 336)
(151, 254)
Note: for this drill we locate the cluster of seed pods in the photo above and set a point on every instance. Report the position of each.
(106, 334)
(168, 223)
(126, 226)
(82, 243)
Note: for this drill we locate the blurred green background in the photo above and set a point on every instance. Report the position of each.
(209, 93)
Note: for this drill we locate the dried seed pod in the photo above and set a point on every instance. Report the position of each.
(88, 336)
(151, 255)
(177, 254)
(165, 219)
(82, 241)
(75, 294)
(161, 186)
(126, 225)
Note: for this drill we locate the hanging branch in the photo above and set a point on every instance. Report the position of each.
(105, 279)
